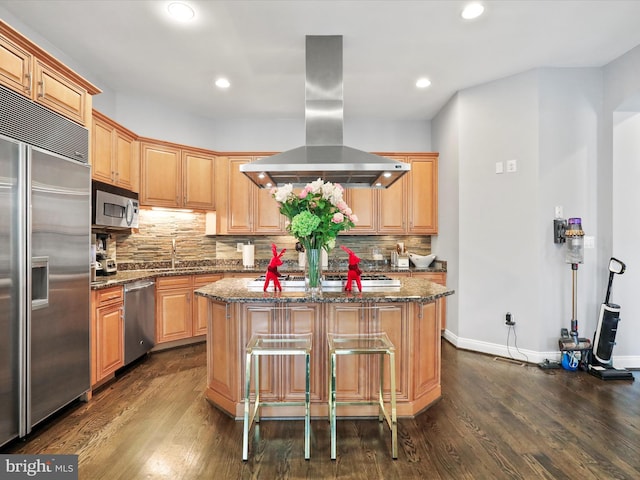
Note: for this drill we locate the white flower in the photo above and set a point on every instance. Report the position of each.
(316, 187)
(281, 194)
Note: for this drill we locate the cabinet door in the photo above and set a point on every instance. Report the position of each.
(305, 319)
(392, 207)
(126, 162)
(351, 370)
(15, 67)
(267, 216)
(60, 94)
(200, 304)
(109, 340)
(423, 196)
(161, 176)
(426, 356)
(393, 319)
(102, 152)
(363, 202)
(173, 309)
(199, 186)
(260, 319)
(240, 195)
(441, 304)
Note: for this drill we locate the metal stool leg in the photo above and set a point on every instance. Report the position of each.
(307, 413)
(332, 404)
(247, 391)
(256, 388)
(381, 388)
(394, 419)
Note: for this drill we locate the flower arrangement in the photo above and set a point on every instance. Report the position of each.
(317, 214)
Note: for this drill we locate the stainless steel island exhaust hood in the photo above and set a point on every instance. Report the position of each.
(324, 156)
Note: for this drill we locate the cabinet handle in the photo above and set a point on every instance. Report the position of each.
(41, 94)
(113, 176)
(27, 77)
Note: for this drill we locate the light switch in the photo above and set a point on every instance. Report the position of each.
(559, 213)
(512, 166)
(499, 167)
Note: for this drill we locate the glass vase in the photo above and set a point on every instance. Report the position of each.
(313, 272)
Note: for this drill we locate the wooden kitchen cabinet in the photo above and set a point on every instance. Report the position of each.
(242, 207)
(107, 333)
(441, 304)
(30, 71)
(409, 206)
(174, 308)
(115, 158)
(180, 314)
(357, 377)
(176, 177)
(364, 203)
(200, 311)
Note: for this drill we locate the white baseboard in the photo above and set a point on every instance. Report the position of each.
(524, 354)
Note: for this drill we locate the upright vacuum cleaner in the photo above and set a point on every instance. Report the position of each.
(600, 362)
(573, 347)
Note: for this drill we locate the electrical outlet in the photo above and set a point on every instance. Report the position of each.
(239, 247)
(499, 167)
(508, 319)
(558, 212)
(512, 166)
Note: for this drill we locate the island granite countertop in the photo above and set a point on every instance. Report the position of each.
(412, 289)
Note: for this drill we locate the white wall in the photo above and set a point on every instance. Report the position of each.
(445, 133)
(547, 120)
(620, 176)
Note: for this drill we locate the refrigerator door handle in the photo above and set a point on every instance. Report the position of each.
(39, 282)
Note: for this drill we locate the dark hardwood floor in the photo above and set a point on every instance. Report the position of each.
(495, 420)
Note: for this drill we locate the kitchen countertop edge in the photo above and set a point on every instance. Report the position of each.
(128, 276)
(235, 290)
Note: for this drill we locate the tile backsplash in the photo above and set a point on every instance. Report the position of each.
(151, 243)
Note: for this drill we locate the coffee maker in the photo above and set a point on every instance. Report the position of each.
(104, 264)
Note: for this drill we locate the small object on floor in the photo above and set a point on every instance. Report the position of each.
(549, 364)
(509, 360)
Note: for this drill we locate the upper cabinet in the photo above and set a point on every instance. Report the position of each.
(114, 153)
(242, 207)
(409, 206)
(176, 177)
(30, 71)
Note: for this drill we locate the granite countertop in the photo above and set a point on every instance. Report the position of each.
(123, 277)
(412, 289)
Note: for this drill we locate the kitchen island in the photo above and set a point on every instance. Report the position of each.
(408, 314)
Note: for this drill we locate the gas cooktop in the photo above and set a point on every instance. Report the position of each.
(332, 282)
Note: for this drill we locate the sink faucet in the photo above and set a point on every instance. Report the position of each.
(173, 253)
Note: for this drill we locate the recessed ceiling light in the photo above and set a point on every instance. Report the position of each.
(181, 11)
(223, 83)
(423, 83)
(472, 10)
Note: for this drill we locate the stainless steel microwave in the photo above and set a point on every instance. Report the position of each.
(113, 206)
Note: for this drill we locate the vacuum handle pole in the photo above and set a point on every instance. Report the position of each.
(574, 301)
(606, 299)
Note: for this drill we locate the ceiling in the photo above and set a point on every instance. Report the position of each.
(132, 47)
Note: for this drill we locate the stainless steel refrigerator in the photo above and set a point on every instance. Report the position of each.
(45, 215)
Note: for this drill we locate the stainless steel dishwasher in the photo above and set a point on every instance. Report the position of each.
(139, 319)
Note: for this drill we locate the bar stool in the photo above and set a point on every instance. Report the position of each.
(369, 344)
(276, 344)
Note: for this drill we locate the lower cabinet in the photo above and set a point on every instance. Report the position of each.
(179, 313)
(107, 333)
(413, 329)
(441, 304)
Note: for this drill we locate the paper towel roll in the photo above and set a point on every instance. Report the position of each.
(324, 258)
(302, 259)
(248, 253)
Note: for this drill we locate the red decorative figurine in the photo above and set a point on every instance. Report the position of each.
(272, 269)
(354, 270)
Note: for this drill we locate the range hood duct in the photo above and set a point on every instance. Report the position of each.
(324, 155)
